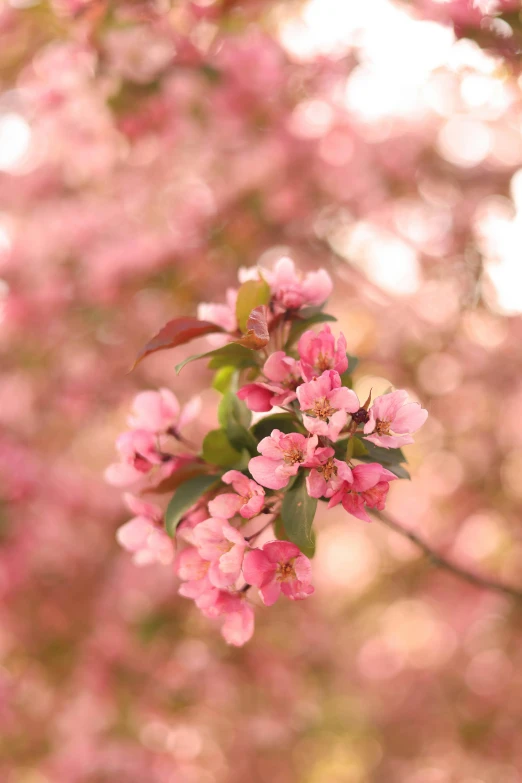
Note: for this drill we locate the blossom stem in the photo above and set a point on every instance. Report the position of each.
(441, 562)
(177, 435)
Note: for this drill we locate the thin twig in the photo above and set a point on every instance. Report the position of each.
(441, 562)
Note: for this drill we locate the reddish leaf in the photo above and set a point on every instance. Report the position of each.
(176, 332)
(256, 336)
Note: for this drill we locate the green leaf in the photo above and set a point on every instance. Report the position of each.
(182, 474)
(233, 355)
(218, 450)
(399, 470)
(223, 379)
(346, 379)
(300, 325)
(388, 458)
(232, 408)
(359, 448)
(297, 513)
(353, 361)
(365, 451)
(355, 449)
(234, 417)
(280, 534)
(184, 498)
(229, 355)
(311, 312)
(251, 294)
(278, 421)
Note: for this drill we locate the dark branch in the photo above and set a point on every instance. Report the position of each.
(447, 565)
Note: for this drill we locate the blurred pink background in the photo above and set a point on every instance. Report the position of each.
(147, 150)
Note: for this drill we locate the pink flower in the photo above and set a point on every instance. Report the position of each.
(392, 420)
(193, 569)
(142, 536)
(328, 403)
(223, 315)
(282, 455)
(291, 291)
(139, 448)
(278, 567)
(257, 396)
(196, 515)
(319, 353)
(327, 477)
(369, 487)
(238, 627)
(239, 616)
(190, 566)
(159, 411)
(248, 502)
(283, 372)
(221, 544)
(213, 602)
(139, 454)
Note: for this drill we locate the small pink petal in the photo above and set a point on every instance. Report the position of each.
(336, 424)
(390, 441)
(258, 570)
(218, 577)
(253, 507)
(296, 590)
(119, 474)
(409, 418)
(133, 534)
(238, 627)
(303, 568)
(385, 406)
(354, 505)
(315, 484)
(315, 426)
(277, 367)
(141, 508)
(256, 397)
(317, 287)
(264, 472)
(270, 592)
(225, 506)
(280, 551)
(235, 477)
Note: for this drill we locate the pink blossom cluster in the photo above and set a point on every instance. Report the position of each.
(130, 187)
(318, 439)
(155, 418)
(220, 565)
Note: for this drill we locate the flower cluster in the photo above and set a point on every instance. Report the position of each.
(244, 503)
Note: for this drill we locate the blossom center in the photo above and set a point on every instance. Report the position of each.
(293, 455)
(323, 362)
(382, 427)
(285, 571)
(328, 470)
(322, 408)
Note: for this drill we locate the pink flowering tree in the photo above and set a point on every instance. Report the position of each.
(146, 150)
(311, 440)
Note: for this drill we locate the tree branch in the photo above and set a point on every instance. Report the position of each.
(447, 565)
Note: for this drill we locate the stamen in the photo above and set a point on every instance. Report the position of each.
(382, 427)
